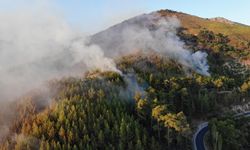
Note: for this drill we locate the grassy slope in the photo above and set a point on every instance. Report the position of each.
(237, 33)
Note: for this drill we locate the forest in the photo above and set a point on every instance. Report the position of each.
(155, 103)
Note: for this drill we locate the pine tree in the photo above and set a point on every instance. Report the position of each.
(62, 134)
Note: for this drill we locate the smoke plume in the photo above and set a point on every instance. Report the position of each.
(150, 32)
(37, 47)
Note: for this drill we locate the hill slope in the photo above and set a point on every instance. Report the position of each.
(237, 32)
(156, 101)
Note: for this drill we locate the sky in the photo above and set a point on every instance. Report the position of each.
(96, 15)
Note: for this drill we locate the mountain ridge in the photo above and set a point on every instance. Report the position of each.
(237, 32)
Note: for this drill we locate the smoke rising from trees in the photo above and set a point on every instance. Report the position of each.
(36, 47)
(147, 33)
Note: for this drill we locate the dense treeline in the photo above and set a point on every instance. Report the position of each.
(91, 114)
(229, 133)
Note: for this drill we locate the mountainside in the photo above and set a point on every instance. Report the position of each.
(117, 39)
(237, 33)
(174, 71)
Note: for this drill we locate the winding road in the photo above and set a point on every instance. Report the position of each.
(198, 138)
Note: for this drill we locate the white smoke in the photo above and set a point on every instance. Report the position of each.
(36, 47)
(148, 33)
(199, 61)
(132, 87)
